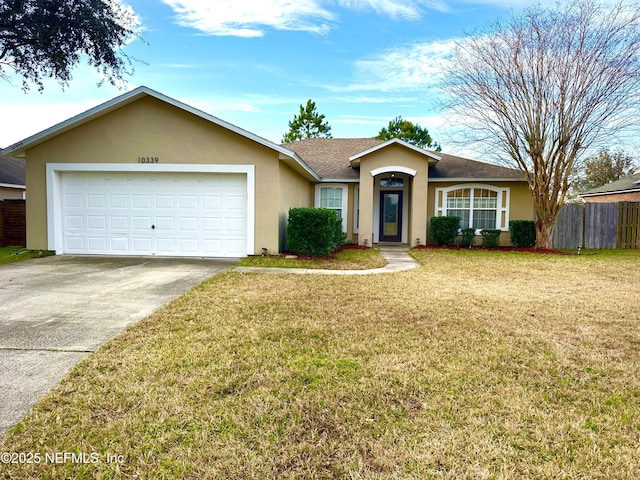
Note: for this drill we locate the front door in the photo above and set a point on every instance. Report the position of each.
(390, 216)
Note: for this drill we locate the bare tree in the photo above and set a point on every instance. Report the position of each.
(545, 87)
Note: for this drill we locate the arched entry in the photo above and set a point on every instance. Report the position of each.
(392, 186)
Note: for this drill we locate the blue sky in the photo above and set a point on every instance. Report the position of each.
(252, 63)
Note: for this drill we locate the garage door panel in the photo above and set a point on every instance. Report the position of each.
(235, 224)
(166, 245)
(165, 223)
(74, 244)
(165, 201)
(212, 202)
(141, 245)
(74, 222)
(98, 244)
(119, 223)
(188, 224)
(193, 214)
(212, 224)
(187, 202)
(141, 202)
(140, 224)
(96, 201)
(235, 202)
(96, 222)
(120, 245)
(118, 201)
(74, 200)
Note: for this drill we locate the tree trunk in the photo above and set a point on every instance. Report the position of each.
(544, 233)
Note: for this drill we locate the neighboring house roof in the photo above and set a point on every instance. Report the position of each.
(11, 172)
(330, 159)
(626, 184)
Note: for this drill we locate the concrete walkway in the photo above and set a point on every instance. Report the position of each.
(397, 260)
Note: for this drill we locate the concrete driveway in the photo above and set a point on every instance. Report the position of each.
(55, 311)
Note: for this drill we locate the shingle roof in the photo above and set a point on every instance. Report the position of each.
(632, 182)
(11, 171)
(329, 158)
(463, 168)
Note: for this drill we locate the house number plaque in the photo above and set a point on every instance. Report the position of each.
(148, 159)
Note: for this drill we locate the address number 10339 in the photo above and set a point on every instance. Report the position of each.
(148, 160)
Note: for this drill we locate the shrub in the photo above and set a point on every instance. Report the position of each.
(444, 230)
(522, 233)
(314, 232)
(490, 237)
(468, 237)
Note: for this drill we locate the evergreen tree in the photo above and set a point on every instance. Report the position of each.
(307, 124)
(409, 132)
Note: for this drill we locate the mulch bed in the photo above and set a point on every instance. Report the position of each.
(497, 249)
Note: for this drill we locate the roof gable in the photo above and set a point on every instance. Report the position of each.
(355, 159)
(19, 148)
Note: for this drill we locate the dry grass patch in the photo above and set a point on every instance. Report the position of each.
(477, 365)
(345, 259)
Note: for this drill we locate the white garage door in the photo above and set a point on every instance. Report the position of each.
(171, 214)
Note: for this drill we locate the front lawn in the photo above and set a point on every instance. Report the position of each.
(347, 258)
(476, 365)
(13, 254)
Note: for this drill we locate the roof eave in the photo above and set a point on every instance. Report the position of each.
(292, 159)
(476, 179)
(339, 180)
(13, 185)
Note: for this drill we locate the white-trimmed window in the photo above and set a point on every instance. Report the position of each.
(478, 206)
(335, 197)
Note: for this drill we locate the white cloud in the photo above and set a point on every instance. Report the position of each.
(408, 68)
(242, 19)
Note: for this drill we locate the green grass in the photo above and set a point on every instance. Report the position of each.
(347, 259)
(475, 365)
(13, 254)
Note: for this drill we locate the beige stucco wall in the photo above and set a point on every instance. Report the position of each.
(395, 155)
(520, 203)
(7, 193)
(150, 127)
(295, 192)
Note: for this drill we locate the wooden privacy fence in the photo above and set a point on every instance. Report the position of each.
(13, 223)
(598, 225)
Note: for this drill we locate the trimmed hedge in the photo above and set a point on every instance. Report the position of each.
(468, 237)
(523, 233)
(314, 232)
(490, 237)
(444, 230)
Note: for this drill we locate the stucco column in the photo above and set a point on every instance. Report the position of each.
(366, 208)
(418, 225)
